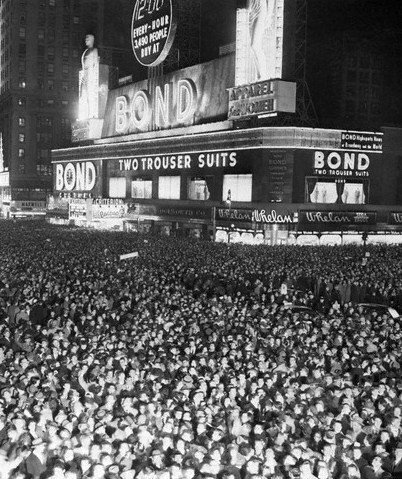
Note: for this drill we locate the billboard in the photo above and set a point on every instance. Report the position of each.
(323, 219)
(78, 176)
(259, 42)
(153, 29)
(261, 99)
(191, 96)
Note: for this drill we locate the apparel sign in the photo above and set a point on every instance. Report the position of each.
(338, 218)
(355, 140)
(221, 159)
(199, 213)
(80, 176)
(153, 29)
(261, 98)
(341, 163)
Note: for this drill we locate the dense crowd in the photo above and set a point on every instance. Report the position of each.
(187, 362)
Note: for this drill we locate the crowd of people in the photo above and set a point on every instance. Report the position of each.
(189, 362)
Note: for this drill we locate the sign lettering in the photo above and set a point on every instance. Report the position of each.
(341, 164)
(80, 176)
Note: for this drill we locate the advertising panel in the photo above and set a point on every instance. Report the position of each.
(338, 176)
(321, 219)
(186, 97)
(153, 29)
(80, 209)
(263, 98)
(357, 140)
(276, 215)
(259, 45)
(57, 206)
(395, 218)
(80, 176)
(188, 212)
(108, 208)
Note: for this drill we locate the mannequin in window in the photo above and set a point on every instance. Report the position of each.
(261, 12)
(89, 81)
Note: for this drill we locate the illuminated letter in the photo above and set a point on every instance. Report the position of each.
(363, 162)
(121, 114)
(186, 99)
(319, 160)
(90, 176)
(69, 177)
(80, 179)
(140, 111)
(162, 105)
(334, 165)
(350, 161)
(59, 177)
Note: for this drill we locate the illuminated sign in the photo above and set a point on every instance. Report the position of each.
(259, 41)
(108, 208)
(80, 176)
(355, 140)
(262, 98)
(138, 112)
(79, 209)
(352, 218)
(197, 94)
(395, 218)
(263, 216)
(341, 163)
(153, 29)
(221, 159)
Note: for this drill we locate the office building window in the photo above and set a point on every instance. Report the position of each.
(22, 83)
(117, 187)
(21, 153)
(41, 34)
(65, 52)
(50, 53)
(52, 3)
(141, 189)
(64, 86)
(50, 68)
(22, 32)
(237, 188)
(169, 187)
(50, 84)
(65, 69)
(21, 121)
(21, 169)
(21, 137)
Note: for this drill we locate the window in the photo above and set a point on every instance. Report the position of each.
(22, 83)
(197, 188)
(76, 20)
(22, 32)
(50, 84)
(117, 187)
(41, 34)
(52, 3)
(64, 103)
(237, 188)
(64, 86)
(21, 138)
(65, 69)
(141, 189)
(21, 169)
(22, 49)
(50, 53)
(50, 68)
(65, 52)
(169, 187)
(21, 121)
(21, 153)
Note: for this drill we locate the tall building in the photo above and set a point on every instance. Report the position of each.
(41, 46)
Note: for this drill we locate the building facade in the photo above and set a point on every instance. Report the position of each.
(41, 45)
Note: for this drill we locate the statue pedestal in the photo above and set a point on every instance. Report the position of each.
(83, 130)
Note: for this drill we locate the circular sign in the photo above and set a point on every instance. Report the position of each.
(153, 29)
